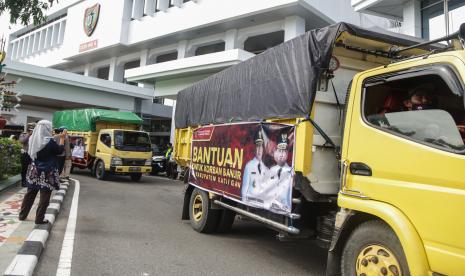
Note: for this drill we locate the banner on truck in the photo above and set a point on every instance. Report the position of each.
(78, 146)
(248, 162)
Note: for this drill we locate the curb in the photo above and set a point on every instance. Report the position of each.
(28, 255)
(7, 183)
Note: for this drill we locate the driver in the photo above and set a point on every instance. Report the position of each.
(419, 98)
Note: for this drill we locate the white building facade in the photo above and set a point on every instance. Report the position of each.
(166, 45)
(420, 18)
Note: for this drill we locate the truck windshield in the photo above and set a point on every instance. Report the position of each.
(435, 127)
(132, 141)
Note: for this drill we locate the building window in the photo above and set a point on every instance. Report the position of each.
(103, 73)
(433, 21)
(208, 49)
(166, 57)
(158, 100)
(260, 43)
(160, 126)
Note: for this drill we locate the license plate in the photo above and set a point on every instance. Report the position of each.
(134, 169)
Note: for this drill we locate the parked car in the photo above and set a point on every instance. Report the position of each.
(158, 161)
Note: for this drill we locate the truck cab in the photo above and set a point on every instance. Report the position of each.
(124, 152)
(402, 166)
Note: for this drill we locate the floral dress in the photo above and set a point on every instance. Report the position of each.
(43, 172)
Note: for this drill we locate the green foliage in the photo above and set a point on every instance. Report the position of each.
(25, 10)
(10, 155)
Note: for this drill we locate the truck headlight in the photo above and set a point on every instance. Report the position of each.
(148, 162)
(116, 161)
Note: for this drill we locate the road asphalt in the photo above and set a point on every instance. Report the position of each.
(127, 228)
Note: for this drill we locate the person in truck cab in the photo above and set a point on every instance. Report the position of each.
(419, 98)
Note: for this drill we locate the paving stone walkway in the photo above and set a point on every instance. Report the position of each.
(13, 232)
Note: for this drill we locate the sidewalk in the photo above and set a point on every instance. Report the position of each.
(13, 232)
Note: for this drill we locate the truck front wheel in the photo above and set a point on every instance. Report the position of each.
(100, 172)
(136, 176)
(203, 219)
(373, 249)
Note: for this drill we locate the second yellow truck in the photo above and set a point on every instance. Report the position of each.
(107, 142)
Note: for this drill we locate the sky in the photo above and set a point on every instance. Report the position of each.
(4, 24)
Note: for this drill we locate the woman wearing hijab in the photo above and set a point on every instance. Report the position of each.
(42, 174)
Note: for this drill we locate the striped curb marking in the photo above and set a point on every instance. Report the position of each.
(28, 255)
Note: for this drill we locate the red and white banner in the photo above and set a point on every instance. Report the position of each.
(247, 162)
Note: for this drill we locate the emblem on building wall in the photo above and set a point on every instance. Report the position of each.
(91, 18)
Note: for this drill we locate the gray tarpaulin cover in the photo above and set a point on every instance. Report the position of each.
(278, 83)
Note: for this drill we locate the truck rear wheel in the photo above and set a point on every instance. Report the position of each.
(100, 172)
(203, 219)
(373, 249)
(135, 176)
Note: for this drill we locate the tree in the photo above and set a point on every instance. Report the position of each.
(26, 10)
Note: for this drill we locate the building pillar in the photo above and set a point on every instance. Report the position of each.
(144, 59)
(30, 45)
(11, 53)
(116, 72)
(177, 3)
(19, 50)
(36, 42)
(150, 7)
(182, 49)
(89, 71)
(61, 35)
(230, 40)
(25, 45)
(163, 5)
(138, 9)
(43, 37)
(48, 38)
(173, 125)
(293, 27)
(412, 18)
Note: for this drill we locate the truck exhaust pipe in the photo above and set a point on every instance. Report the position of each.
(274, 224)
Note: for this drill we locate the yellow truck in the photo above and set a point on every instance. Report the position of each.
(107, 142)
(349, 136)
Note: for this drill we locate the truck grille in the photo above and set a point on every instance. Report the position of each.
(133, 162)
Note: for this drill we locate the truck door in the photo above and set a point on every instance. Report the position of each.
(406, 148)
(103, 150)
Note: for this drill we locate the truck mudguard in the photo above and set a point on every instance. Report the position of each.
(405, 231)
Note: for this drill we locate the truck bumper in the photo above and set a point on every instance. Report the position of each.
(130, 169)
